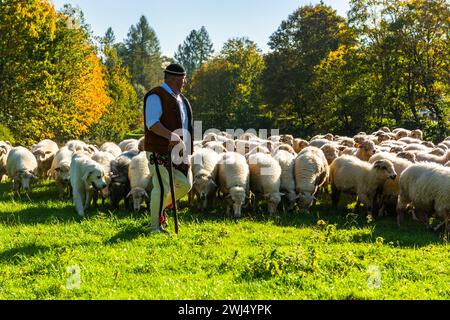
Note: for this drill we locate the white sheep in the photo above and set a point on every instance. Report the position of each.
(284, 147)
(259, 149)
(318, 143)
(391, 187)
(104, 159)
(288, 139)
(287, 185)
(140, 181)
(5, 148)
(300, 144)
(363, 150)
(330, 151)
(60, 170)
(417, 134)
(204, 171)
(233, 180)
(44, 152)
(311, 173)
(21, 166)
(425, 186)
(346, 141)
(265, 179)
(78, 145)
(129, 144)
(401, 133)
(216, 146)
(427, 157)
(352, 175)
(410, 140)
(416, 146)
(112, 148)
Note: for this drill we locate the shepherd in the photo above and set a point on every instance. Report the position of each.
(168, 143)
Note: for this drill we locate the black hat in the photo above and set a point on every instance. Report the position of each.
(175, 69)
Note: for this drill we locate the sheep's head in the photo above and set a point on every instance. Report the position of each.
(330, 152)
(63, 172)
(417, 134)
(368, 147)
(138, 195)
(42, 155)
(290, 197)
(237, 196)
(204, 185)
(305, 199)
(407, 155)
(25, 177)
(385, 169)
(273, 199)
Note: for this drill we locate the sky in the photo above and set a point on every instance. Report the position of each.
(173, 20)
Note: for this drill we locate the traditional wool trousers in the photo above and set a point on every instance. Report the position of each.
(160, 197)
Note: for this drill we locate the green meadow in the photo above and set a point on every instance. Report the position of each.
(48, 252)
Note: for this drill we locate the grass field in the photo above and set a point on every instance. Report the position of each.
(48, 252)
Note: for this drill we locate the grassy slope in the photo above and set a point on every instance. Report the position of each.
(213, 257)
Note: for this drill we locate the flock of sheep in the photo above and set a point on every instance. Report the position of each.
(282, 171)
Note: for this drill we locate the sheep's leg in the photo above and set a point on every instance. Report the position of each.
(367, 201)
(401, 209)
(358, 204)
(335, 195)
(60, 187)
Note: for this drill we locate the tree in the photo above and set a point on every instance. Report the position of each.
(142, 55)
(123, 113)
(195, 50)
(407, 48)
(299, 44)
(52, 81)
(225, 91)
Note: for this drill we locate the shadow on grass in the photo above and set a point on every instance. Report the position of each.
(14, 255)
(412, 234)
(129, 233)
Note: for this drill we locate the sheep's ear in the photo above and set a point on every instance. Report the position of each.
(357, 145)
(129, 194)
(3, 149)
(7, 142)
(146, 194)
(379, 165)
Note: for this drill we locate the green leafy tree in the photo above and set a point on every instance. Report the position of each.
(225, 91)
(299, 44)
(141, 53)
(407, 47)
(195, 50)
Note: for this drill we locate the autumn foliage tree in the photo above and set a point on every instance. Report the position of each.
(52, 81)
(124, 112)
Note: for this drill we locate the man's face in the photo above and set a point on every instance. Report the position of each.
(181, 81)
(177, 83)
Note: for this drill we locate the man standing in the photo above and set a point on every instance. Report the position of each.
(168, 125)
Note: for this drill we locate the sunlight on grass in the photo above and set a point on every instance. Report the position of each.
(48, 252)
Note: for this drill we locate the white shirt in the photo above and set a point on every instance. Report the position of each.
(153, 108)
